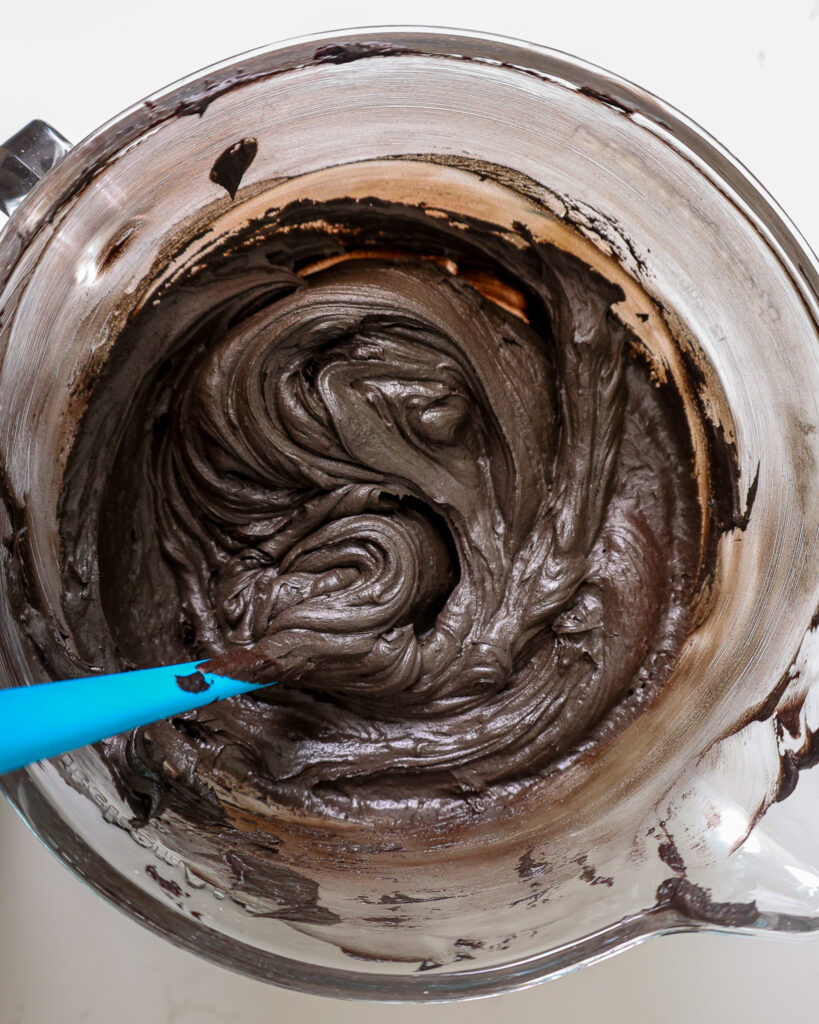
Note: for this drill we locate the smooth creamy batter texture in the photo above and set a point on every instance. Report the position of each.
(414, 468)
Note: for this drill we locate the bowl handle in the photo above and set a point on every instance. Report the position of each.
(25, 158)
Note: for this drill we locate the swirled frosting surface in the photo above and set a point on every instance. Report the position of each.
(413, 467)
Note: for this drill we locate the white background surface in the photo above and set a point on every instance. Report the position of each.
(749, 73)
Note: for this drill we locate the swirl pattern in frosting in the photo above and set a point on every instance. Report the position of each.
(413, 468)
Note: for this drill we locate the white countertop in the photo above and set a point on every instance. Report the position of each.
(749, 73)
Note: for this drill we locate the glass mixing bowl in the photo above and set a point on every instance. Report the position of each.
(696, 815)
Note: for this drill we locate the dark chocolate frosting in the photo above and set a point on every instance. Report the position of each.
(413, 467)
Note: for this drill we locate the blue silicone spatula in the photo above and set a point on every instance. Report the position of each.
(48, 719)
